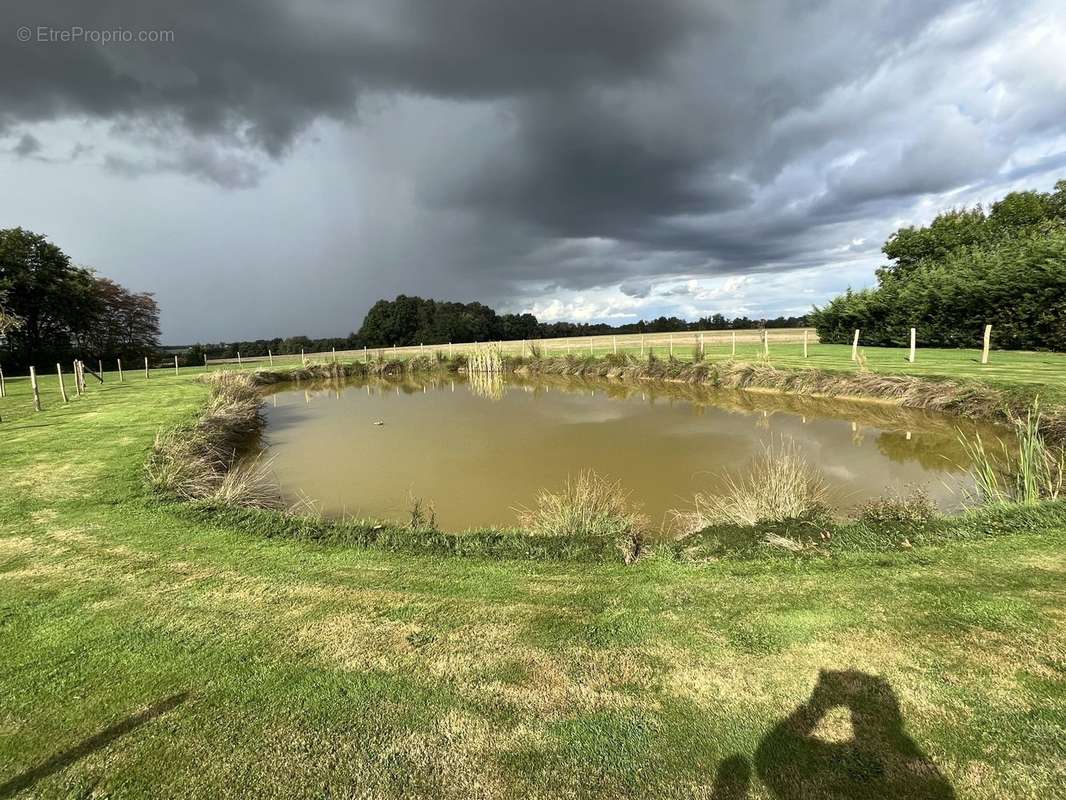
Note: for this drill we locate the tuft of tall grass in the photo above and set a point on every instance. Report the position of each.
(779, 486)
(590, 506)
(1029, 473)
(423, 516)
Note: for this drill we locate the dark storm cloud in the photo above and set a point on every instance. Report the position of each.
(260, 71)
(27, 145)
(566, 146)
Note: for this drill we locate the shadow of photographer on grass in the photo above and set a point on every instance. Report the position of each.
(802, 757)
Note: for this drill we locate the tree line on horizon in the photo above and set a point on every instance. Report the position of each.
(410, 321)
(968, 268)
(54, 311)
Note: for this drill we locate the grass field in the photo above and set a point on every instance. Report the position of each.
(143, 654)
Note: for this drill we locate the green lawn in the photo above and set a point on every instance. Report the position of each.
(145, 655)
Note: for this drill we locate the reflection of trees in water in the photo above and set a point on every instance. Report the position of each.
(878, 760)
(936, 451)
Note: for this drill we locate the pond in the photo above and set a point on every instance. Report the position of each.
(474, 451)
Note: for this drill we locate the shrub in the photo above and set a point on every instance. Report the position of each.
(915, 506)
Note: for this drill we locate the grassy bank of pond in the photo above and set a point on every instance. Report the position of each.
(775, 509)
(151, 649)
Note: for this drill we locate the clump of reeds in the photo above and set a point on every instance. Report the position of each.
(201, 461)
(593, 506)
(485, 359)
(423, 516)
(913, 506)
(1028, 473)
(779, 486)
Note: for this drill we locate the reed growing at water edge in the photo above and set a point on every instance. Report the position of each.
(779, 486)
(1029, 473)
(592, 506)
(485, 360)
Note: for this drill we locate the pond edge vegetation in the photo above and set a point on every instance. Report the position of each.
(208, 468)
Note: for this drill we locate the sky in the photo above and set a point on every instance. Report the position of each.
(272, 168)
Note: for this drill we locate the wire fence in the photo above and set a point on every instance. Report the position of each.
(677, 344)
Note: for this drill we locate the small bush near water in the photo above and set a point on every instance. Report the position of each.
(913, 507)
(589, 506)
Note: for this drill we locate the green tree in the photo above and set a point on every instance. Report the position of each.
(50, 296)
(65, 310)
(8, 321)
(964, 270)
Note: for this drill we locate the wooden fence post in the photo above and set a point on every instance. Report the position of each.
(146, 376)
(671, 344)
(239, 362)
(449, 349)
(614, 343)
(302, 358)
(77, 379)
(100, 366)
(271, 357)
(804, 342)
(988, 342)
(366, 355)
(120, 369)
(642, 345)
(62, 386)
(766, 342)
(734, 343)
(702, 349)
(3, 387)
(913, 337)
(855, 346)
(36, 393)
(334, 355)
(175, 365)
(205, 360)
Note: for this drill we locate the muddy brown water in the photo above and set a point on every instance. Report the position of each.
(474, 451)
